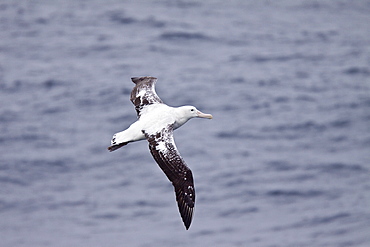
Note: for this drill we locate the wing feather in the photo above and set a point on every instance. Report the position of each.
(165, 153)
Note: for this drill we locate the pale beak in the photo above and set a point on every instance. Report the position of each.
(203, 115)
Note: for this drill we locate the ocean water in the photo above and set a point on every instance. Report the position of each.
(284, 163)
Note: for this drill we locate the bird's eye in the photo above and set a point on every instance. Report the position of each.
(192, 110)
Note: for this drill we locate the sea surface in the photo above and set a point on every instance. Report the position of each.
(284, 163)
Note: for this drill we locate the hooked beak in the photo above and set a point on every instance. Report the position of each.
(203, 115)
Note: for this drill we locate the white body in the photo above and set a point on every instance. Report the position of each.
(156, 117)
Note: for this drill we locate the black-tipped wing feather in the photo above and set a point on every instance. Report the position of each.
(144, 93)
(164, 151)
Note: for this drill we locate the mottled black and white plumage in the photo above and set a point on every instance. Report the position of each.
(144, 93)
(156, 123)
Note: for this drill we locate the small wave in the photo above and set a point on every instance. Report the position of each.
(235, 182)
(302, 74)
(301, 127)
(352, 105)
(341, 168)
(142, 213)
(18, 86)
(238, 212)
(33, 170)
(268, 83)
(279, 165)
(186, 36)
(4, 205)
(229, 134)
(14, 86)
(122, 118)
(54, 110)
(235, 134)
(141, 204)
(322, 220)
(205, 233)
(53, 83)
(43, 21)
(285, 58)
(238, 80)
(312, 222)
(329, 219)
(288, 131)
(305, 98)
(357, 71)
(14, 181)
(101, 48)
(8, 116)
(340, 123)
(295, 193)
(65, 204)
(152, 22)
(121, 18)
(107, 216)
(182, 4)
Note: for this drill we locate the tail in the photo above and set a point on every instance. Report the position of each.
(117, 146)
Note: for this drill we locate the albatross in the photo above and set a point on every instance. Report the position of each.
(156, 123)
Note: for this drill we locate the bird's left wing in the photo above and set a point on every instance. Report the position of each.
(164, 151)
(143, 93)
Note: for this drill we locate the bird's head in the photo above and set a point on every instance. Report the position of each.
(191, 112)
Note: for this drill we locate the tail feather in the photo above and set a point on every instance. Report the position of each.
(117, 146)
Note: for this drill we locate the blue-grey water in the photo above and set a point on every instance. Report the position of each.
(284, 163)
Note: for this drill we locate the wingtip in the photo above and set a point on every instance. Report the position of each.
(186, 216)
(187, 225)
(135, 79)
(141, 78)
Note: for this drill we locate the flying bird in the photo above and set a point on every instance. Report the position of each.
(156, 123)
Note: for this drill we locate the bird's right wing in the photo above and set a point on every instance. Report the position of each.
(164, 151)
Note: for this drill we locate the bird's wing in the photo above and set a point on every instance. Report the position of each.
(164, 151)
(144, 93)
